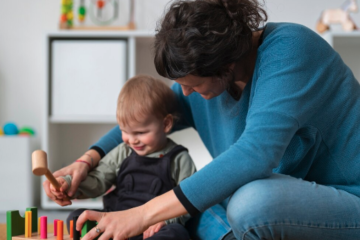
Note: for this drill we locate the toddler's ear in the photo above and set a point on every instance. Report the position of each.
(168, 123)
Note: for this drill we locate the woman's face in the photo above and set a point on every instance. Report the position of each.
(207, 87)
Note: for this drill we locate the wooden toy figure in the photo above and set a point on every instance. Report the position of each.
(340, 15)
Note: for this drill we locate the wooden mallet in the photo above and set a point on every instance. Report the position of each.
(39, 168)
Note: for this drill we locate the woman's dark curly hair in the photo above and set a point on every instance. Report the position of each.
(203, 37)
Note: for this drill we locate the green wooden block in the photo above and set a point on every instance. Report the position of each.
(88, 225)
(15, 224)
(34, 220)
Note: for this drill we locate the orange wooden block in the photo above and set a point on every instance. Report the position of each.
(60, 229)
(71, 228)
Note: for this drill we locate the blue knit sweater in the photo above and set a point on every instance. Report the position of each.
(299, 115)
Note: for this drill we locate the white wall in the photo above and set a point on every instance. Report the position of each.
(23, 24)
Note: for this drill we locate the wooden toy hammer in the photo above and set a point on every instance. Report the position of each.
(39, 168)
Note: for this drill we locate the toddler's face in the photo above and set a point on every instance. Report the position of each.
(146, 137)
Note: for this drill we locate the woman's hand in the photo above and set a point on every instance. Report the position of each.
(116, 225)
(153, 229)
(124, 224)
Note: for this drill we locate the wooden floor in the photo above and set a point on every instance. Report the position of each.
(3, 230)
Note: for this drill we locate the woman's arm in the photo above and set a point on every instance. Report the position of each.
(134, 221)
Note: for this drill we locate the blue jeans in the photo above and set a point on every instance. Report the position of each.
(211, 224)
(284, 207)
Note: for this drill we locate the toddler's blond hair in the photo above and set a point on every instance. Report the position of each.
(142, 96)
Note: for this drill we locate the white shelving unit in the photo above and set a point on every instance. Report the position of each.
(347, 44)
(68, 135)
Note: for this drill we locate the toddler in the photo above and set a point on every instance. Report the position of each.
(146, 164)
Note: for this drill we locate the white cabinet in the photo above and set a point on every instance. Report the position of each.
(347, 44)
(18, 188)
(85, 72)
(86, 76)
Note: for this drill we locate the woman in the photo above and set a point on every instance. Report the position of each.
(277, 109)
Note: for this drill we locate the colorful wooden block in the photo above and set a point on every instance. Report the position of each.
(71, 228)
(15, 224)
(34, 215)
(43, 227)
(75, 232)
(55, 226)
(28, 224)
(88, 225)
(60, 230)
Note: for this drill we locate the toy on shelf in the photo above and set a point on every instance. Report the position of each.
(32, 227)
(104, 12)
(101, 12)
(67, 15)
(11, 128)
(26, 131)
(82, 11)
(339, 15)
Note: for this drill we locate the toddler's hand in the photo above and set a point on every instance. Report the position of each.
(153, 229)
(60, 195)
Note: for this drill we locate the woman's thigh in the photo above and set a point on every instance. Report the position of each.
(283, 207)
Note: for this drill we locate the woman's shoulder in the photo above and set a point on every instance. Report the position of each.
(297, 34)
(285, 29)
(292, 40)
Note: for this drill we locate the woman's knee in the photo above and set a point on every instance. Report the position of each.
(260, 199)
